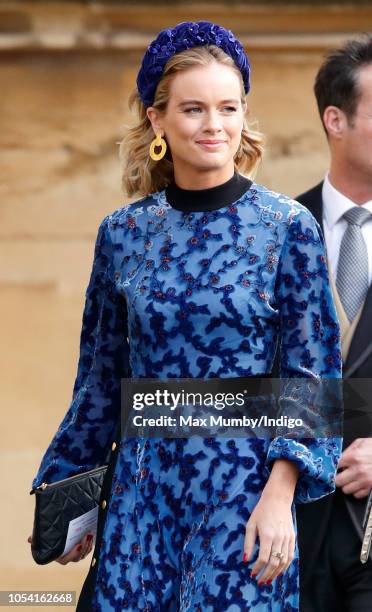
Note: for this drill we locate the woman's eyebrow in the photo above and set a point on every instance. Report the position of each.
(230, 100)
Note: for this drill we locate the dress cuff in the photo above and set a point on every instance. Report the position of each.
(316, 459)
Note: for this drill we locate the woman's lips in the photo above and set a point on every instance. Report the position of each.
(211, 144)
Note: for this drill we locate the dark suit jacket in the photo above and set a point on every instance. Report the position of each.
(357, 365)
(359, 360)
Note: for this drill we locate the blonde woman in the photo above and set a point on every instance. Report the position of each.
(197, 279)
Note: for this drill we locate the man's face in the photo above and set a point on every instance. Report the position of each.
(357, 137)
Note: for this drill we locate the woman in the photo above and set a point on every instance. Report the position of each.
(196, 280)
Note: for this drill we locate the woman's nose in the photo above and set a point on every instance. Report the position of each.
(212, 121)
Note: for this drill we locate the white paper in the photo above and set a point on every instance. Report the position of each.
(79, 526)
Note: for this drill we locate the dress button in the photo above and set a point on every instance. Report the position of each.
(113, 446)
(104, 504)
(93, 562)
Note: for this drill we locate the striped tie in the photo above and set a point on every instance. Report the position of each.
(352, 269)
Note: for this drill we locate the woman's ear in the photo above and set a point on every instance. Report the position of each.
(154, 118)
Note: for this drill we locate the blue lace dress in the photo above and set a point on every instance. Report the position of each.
(197, 291)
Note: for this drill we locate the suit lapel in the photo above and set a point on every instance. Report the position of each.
(347, 329)
(361, 343)
(314, 203)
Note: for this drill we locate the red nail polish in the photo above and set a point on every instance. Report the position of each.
(79, 547)
(253, 575)
(260, 584)
(89, 537)
(245, 558)
(269, 581)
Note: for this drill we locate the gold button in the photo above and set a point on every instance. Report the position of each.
(93, 562)
(104, 504)
(113, 446)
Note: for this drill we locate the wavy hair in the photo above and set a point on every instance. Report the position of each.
(140, 174)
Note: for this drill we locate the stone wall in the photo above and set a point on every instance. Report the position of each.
(66, 70)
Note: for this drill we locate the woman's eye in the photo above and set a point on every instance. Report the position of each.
(196, 108)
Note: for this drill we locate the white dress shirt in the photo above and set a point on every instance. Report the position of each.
(335, 204)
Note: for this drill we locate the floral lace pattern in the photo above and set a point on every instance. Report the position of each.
(196, 295)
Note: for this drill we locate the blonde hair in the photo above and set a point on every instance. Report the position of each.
(142, 175)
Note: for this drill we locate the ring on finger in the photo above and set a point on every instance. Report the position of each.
(277, 554)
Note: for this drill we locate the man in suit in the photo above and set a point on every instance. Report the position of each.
(332, 577)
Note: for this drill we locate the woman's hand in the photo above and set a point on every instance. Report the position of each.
(271, 520)
(78, 552)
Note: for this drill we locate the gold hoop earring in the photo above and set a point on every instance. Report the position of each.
(158, 142)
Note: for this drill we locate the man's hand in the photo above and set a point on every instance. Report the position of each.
(356, 464)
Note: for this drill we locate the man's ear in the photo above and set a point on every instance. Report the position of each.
(155, 119)
(335, 121)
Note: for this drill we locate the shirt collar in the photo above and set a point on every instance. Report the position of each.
(335, 203)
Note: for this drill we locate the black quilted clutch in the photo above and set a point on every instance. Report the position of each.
(58, 503)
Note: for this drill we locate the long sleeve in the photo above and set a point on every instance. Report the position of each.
(83, 438)
(309, 348)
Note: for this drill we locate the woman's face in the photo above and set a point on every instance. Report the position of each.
(203, 120)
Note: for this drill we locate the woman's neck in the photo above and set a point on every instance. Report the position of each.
(212, 198)
(203, 180)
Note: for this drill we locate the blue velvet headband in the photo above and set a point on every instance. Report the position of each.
(183, 36)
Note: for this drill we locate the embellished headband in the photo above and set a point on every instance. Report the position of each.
(183, 36)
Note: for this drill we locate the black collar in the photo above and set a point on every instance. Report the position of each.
(190, 200)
